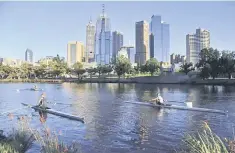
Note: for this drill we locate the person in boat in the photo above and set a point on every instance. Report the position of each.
(42, 101)
(159, 100)
(35, 87)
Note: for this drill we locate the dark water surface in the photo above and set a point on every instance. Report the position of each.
(114, 126)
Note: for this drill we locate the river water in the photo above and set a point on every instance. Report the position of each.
(111, 125)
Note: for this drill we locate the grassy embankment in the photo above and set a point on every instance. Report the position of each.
(22, 138)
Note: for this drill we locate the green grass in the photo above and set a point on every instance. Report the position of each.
(205, 141)
(21, 139)
(7, 148)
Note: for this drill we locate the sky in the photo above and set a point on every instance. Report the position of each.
(47, 27)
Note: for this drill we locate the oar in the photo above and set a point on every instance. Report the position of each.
(59, 103)
(10, 111)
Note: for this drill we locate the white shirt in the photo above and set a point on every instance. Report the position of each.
(160, 99)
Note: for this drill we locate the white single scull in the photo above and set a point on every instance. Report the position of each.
(55, 112)
(180, 107)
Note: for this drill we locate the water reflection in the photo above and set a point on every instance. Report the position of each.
(43, 116)
(114, 126)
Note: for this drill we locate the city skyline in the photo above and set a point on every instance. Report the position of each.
(47, 37)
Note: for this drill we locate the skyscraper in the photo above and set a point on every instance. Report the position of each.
(195, 43)
(90, 42)
(151, 44)
(142, 42)
(103, 52)
(29, 55)
(161, 33)
(75, 53)
(117, 41)
(165, 42)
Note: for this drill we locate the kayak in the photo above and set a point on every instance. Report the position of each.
(55, 112)
(180, 107)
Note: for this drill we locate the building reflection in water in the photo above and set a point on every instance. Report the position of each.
(107, 116)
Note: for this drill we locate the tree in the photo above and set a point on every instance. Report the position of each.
(152, 65)
(26, 70)
(122, 66)
(228, 63)
(212, 57)
(106, 69)
(90, 71)
(143, 69)
(99, 69)
(78, 69)
(58, 66)
(40, 70)
(186, 68)
(204, 74)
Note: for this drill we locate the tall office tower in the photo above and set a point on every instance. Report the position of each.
(195, 43)
(90, 42)
(117, 41)
(142, 42)
(165, 42)
(161, 33)
(29, 55)
(103, 52)
(75, 53)
(151, 44)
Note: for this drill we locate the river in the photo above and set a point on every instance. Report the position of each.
(111, 125)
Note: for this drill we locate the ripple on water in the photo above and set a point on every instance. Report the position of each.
(114, 126)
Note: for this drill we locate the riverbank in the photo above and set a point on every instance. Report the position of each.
(162, 79)
(32, 80)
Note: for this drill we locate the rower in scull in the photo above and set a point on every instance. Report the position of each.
(42, 101)
(159, 100)
(35, 87)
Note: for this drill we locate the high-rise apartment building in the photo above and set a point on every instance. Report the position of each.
(161, 33)
(75, 53)
(142, 42)
(29, 55)
(90, 42)
(117, 43)
(195, 43)
(103, 53)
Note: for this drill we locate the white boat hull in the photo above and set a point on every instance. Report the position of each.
(180, 107)
(58, 113)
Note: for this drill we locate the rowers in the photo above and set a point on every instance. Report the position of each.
(35, 87)
(42, 101)
(159, 100)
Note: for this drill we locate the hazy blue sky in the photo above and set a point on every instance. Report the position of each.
(46, 27)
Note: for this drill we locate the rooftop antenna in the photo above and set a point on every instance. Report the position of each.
(90, 19)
